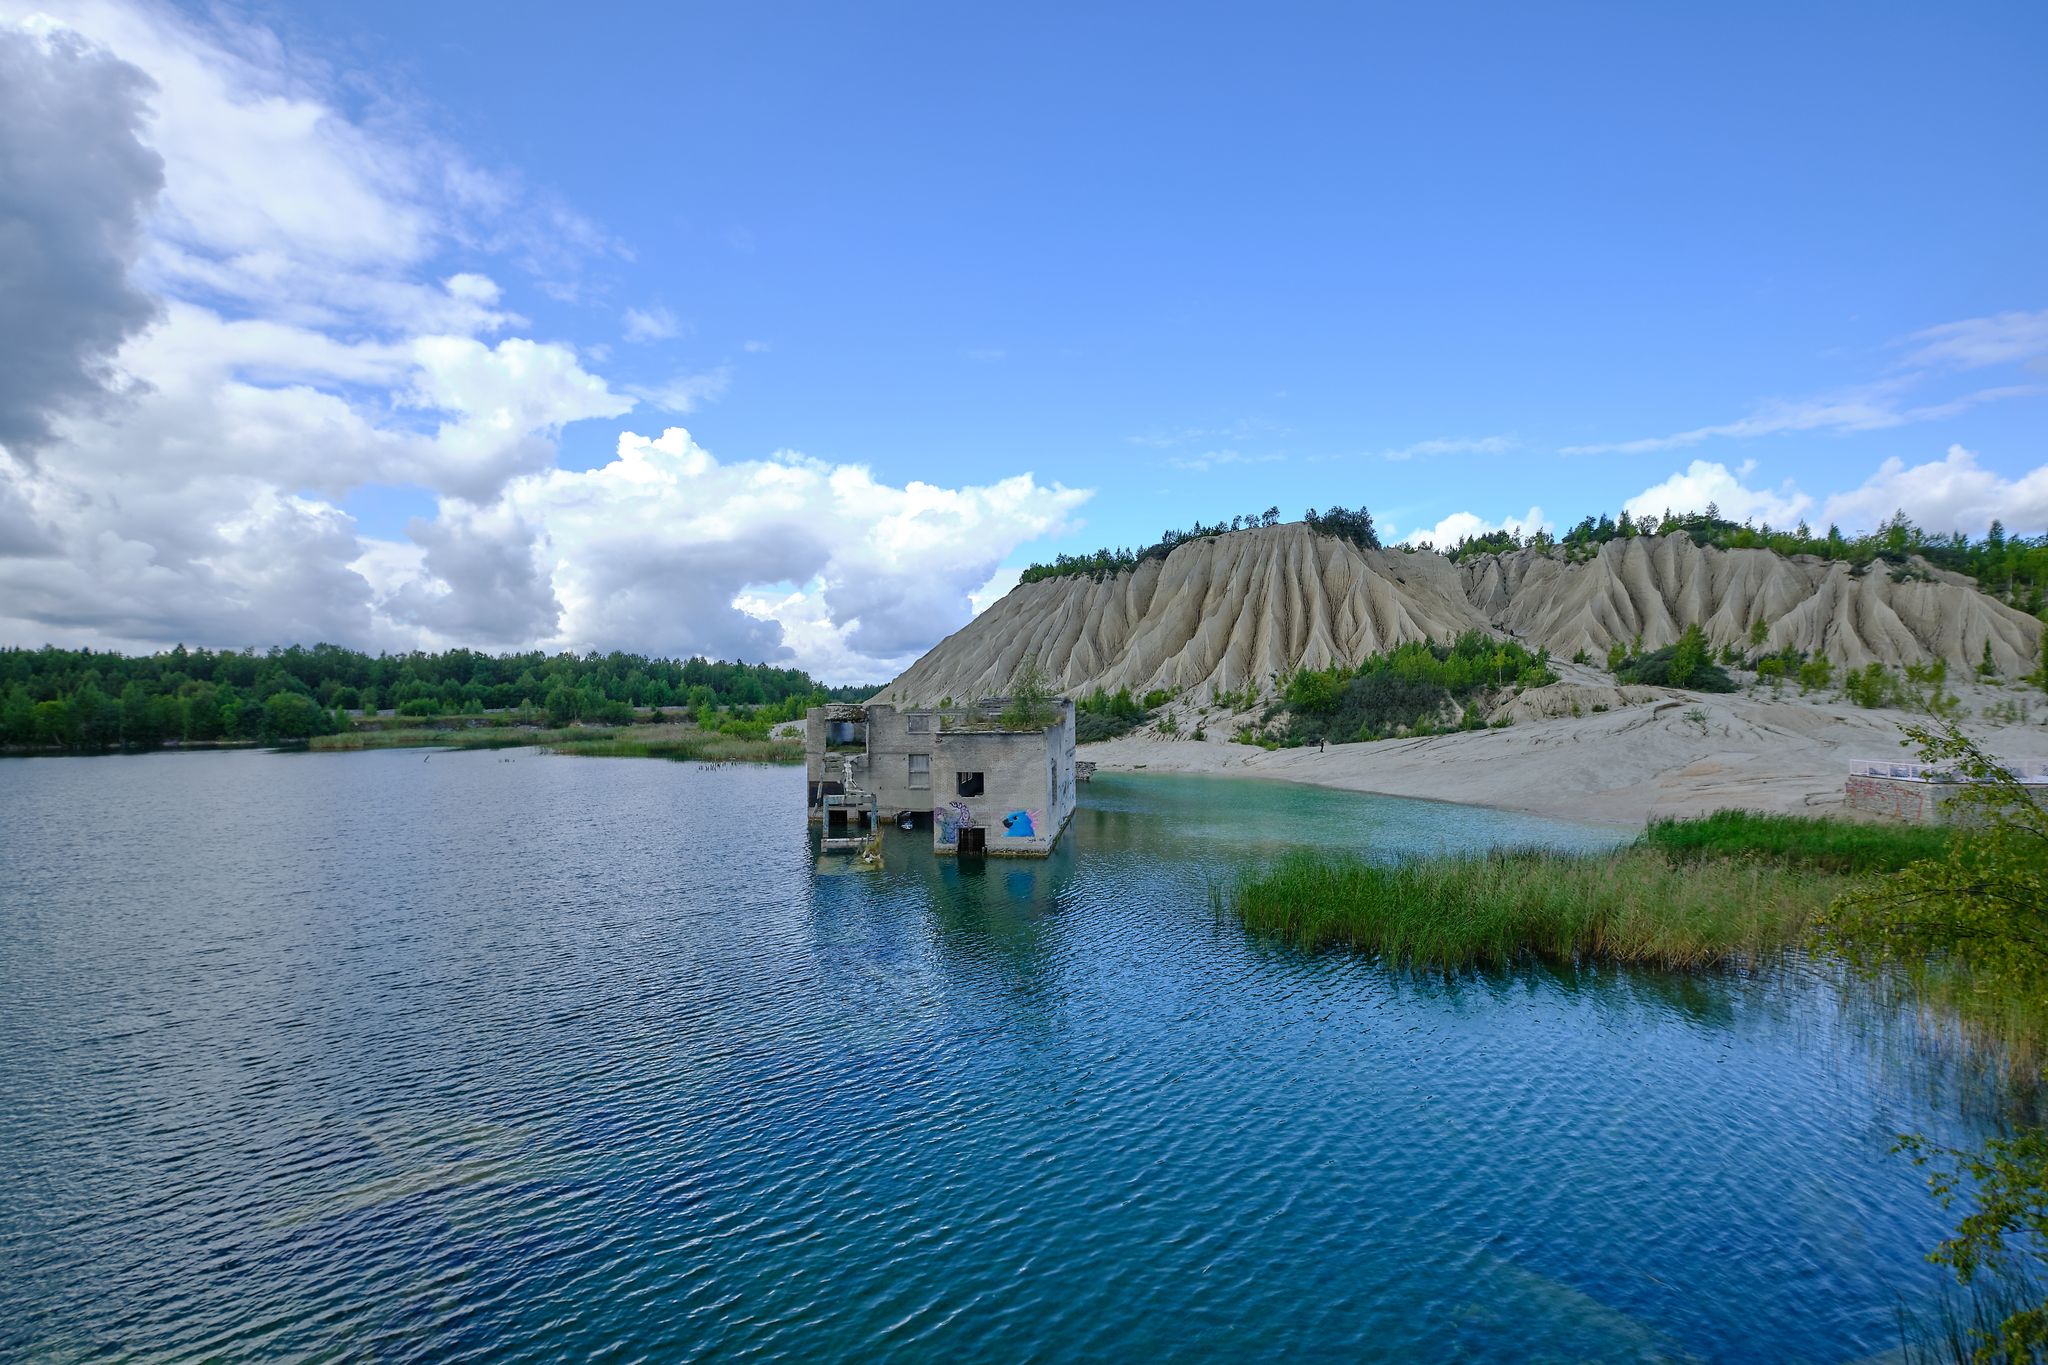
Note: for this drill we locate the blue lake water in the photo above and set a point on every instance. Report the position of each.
(515, 1056)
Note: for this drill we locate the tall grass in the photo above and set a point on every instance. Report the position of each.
(1804, 841)
(684, 742)
(1636, 906)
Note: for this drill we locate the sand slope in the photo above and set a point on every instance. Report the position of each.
(1657, 586)
(1654, 752)
(1227, 611)
(1217, 613)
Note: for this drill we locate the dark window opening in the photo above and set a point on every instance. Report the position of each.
(969, 784)
(973, 842)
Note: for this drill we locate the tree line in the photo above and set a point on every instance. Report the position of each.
(2013, 568)
(1108, 562)
(82, 699)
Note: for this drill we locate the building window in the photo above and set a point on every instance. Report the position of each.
(969, 784)
(920, 772)
(920, 724)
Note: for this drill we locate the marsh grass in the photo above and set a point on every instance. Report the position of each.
(1635, 906)
(1793, 840)
(680, 742)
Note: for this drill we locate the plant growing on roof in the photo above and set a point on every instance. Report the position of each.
(1030, 705)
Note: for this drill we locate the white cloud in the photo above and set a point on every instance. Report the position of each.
(278, 201)
(1971, 344)
(1976, 342)
(1463, 525)
(667, 549)
(1242, 430)
(1704, 482)
(1452, 445)
(757, 347)
(651, 324)
(506, 402)
(1217, 459)
(687, 392)
(321, 323)
(1954, 493)
(1873, 407)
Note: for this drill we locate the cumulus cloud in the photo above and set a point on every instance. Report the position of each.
(507, 404)
(75, 183)
(1704, 482)
(667, 549)
(305, 312)
(1463, 525)
(276, 200)
(1953, 493)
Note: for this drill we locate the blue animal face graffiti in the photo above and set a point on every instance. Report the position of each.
(1018, 824)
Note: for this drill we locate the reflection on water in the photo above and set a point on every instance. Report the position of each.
(354, 1055)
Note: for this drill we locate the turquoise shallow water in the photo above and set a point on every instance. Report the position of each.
(513, 1056)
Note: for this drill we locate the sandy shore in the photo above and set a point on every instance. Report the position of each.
(1661, 754)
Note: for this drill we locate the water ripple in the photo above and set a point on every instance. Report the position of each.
(356, 1057)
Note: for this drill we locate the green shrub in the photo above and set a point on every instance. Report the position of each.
(1418, 688)
(1656, 669)
(1872, 685)
(1797, 840)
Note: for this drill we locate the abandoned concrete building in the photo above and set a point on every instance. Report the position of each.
(985, 788)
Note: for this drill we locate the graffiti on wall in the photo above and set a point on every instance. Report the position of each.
(951, 818)
(1021, 824)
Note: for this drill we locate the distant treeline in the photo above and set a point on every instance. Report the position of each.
(2013, 568)
(1341, 522)
(88, 699)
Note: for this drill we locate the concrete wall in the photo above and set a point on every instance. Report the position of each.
(1027, 777)
(882, 765)
(1027, 788)
(1918, 803)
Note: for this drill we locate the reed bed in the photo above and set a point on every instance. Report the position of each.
(678, 742)
(1637, 906)
(1795, 840)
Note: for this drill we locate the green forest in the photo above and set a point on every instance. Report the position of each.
(82, 699)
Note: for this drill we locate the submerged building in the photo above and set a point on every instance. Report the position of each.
(986, 787)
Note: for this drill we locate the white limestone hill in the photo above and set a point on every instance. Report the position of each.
(1657, 586)
(1226, 612)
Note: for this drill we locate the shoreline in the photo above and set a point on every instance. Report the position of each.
(1660, 753)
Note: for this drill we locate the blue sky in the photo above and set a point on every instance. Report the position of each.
(1043, 238)
(431, 282)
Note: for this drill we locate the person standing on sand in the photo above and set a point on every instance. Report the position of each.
(1321, 745)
